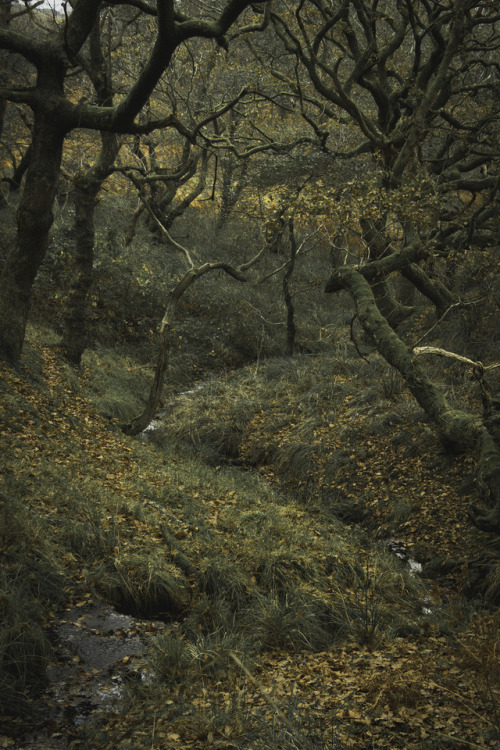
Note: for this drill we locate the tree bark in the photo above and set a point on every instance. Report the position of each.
(87, 187)
(433, 289)
(458, 429)
(20, 171)
(34, 222)
(231, 189)
(5, 8)
(130, 233)
(140, 423)
(391, 309)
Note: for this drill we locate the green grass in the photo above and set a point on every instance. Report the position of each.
(116, 385)
(143, 583)
(24, 645)
(172, 528)
(31, 582)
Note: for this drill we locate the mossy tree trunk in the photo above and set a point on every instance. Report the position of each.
(393, 310)
(35, 219)
(140, 423)
(86, 190)
(433, 289)
(459, 429)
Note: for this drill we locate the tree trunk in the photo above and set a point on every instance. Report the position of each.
(5, 8)
(394, 312)
(87, 187)
(140, 423)
(34, 222)
(391, 309)
(192, 274)
(130, 233)
(20, 171)
(457, 428)
(434, 290)
(230, 192)
(74, 339)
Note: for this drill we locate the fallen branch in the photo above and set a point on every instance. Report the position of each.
(444, 353)
(478, 366)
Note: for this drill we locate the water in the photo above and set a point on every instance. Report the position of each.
(96, 650)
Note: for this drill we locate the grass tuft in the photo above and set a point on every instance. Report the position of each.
(31, 573)
(24, 645)
(224, 581)
(294, 622)
(144, 585)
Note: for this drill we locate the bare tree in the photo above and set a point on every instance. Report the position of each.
(192, 273)
(53, 55)
(408, 93)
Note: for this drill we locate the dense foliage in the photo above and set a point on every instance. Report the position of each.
(287, 213)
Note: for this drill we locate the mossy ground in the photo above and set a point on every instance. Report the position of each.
(240, 524)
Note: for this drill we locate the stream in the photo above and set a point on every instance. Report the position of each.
(96, 651)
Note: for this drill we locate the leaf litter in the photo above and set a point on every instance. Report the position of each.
(430, 687)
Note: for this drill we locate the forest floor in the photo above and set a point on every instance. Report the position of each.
(261, 606)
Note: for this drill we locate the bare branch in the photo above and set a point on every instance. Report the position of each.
(183, 250)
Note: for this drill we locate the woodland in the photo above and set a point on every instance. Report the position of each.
(250, 374)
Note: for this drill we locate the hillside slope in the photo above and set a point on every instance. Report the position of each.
(248, 532)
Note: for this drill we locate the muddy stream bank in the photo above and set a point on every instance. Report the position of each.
(96, 651)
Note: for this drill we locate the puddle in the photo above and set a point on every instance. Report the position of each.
(96, 649)
(99, 638)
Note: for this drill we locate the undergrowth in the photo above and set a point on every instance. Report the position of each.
(220, 525)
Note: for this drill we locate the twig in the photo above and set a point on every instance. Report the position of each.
(460, 303)
(267, 322)
(162, 228)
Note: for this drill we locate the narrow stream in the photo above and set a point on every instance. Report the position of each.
(96, 650)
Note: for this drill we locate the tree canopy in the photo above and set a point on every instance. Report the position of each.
(373, 122)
